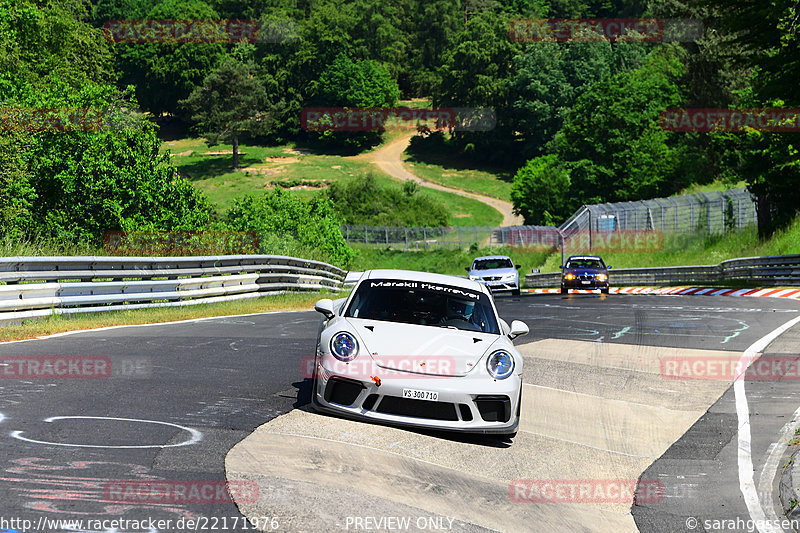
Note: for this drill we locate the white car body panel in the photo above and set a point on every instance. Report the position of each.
(448, 362)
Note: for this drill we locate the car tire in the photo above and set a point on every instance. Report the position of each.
(564, 290)
(515, 292)
(604, 291)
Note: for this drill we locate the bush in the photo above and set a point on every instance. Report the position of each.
(363, 201)
(287, 225)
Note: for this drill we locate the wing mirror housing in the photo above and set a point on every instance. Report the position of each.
(325, 306)
(518, 328)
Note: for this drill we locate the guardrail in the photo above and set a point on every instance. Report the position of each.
(40, 286)
(769, 270)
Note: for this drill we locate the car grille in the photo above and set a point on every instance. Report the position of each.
(491, 278)
(394, 405)
(586, 277)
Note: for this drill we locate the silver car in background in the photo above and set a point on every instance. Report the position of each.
(497, 272)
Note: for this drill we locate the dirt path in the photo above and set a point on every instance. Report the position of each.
(389, 158)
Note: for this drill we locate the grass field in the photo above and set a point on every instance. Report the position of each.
(441, 261)
(451, 172)
(210, 171)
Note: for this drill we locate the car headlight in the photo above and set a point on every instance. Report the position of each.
(569, 276)
(601, 277)
(344, 346)
(474, 278)
(508, 277)
(500, 364)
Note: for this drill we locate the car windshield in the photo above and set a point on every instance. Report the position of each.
(489, 264)
(585, 263)
(424, 304)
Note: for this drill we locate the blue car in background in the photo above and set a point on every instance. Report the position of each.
(497, 272)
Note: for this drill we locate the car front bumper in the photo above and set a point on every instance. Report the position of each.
(579, 284)
(496, 286)
(471, 403)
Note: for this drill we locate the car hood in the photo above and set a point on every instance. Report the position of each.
(493, 272)
(585, 271)
(422, 349)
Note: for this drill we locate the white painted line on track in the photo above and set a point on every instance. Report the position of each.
(770, 470)
(196, 436)
(745, 459)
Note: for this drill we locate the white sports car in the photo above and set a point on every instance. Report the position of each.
(419, 349)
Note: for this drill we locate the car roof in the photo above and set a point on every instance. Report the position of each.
(489, 257)
(584, 257)
(414, 275)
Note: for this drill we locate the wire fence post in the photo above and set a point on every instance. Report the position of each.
(460, 245)
(425, 238)
(386, 229)
(405, 230)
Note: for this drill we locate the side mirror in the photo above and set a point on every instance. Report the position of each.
(504, 328)
(466, 268)
(325, 306)
(516, 266)
(560, 266)
(608, 267)
(518, 328)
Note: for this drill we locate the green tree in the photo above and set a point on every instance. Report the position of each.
(164, 73)
(477, 71)
(231, 102)
(549, 77)
(40, 40)
(541, 191)
(612, 140)
(348, 83)
(110, 177)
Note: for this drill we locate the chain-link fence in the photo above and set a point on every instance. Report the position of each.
(622, 226)
(459, 237)
(717, 212)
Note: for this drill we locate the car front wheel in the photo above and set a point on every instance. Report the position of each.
(564, 290)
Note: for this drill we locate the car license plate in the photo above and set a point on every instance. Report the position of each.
(585, 282)
(415, 394)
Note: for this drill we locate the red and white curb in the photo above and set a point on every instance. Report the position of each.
(694, 291)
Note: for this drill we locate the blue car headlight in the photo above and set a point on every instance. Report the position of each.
(344, 346)
(500, 364)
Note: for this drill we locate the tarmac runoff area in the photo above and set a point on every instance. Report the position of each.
(596, 413)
